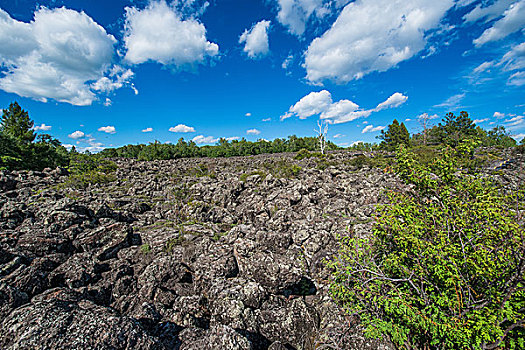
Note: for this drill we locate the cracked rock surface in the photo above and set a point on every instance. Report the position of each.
(183, 254)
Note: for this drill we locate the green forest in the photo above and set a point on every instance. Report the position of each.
(22, 148)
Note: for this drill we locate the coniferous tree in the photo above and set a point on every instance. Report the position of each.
(395, 135)
(456, 128)
(16, 124)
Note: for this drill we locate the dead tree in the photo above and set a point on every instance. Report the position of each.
(424, 121)
(321, 134)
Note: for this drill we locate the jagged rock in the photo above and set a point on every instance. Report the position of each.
(71, 324)
(223, 253)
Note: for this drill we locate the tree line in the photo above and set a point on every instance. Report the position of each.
(223, 148)
(22, 148)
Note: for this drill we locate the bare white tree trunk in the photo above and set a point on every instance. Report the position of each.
(321, 134)
(424, 121)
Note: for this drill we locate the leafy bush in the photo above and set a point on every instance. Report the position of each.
(245, 176)
(444, 267)
(377, 161)
(86, 170)
(282, 169)
(304, 153)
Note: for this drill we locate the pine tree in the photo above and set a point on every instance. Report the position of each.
(395, 135)
(456, 128)
(16, 124)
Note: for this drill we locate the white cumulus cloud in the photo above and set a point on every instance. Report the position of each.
(253, 132)
(118, 77)
(371, 128)
(76, 135)
(147, 130)
(513, 20)
(107, 129)
(311, 104)
(487, 13)
(55, 56)
(320, 103)
(396, 100)
(256, 40)
(42, 127)
(182, 128)
(201, 139)
(294, 14)
(159, 33)
(372, 36)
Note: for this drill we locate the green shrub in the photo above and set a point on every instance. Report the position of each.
(145, 248)
(245, 176)
(283, 168)
(86, 170)
(444, 266)
(304, 153)
(92, 177)
(172, 243)
(377, 161)
(201, 170)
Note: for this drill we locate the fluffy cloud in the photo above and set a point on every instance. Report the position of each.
(344, 111)
(313, 103)
(76, 135)
(42, 127)
(54, 56)
(338, 112)
(479, 121)
(159, 33)
(248, 114)
(201, 139)
(513, 20)
(287, 62)
(337, 136)
(498, 115)
(294, 14)
(393, 101)
(182, 128)
(372, 36)
(147, 130)
(487, 13)
(371, 128)
(107, 129)
(253, 132)
(118, 77)
(256, 40)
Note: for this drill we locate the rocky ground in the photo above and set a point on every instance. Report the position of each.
(183, 254)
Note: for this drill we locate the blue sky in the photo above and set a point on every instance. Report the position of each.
(104, 73)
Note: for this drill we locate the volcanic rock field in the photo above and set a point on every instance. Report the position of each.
(222, 253)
